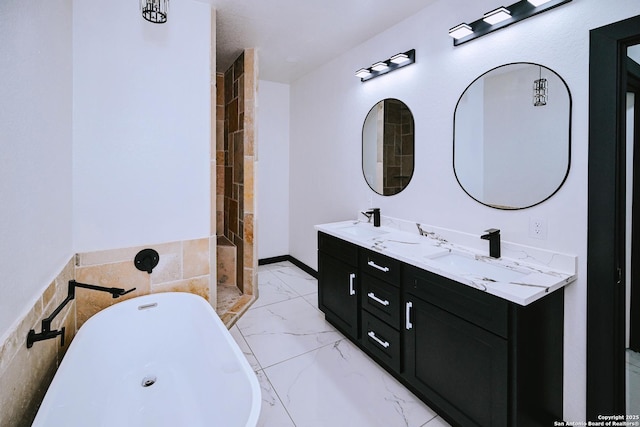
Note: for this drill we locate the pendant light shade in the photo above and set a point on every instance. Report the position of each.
(155, 10)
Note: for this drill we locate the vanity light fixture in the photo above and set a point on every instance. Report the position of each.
(500, 18)
(155, 10)
(460, 31)
(497, 16)
(400, 58)
(379, 66)
(383, 67)
(362, 73)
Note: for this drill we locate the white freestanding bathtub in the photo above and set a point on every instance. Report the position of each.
(158, 360)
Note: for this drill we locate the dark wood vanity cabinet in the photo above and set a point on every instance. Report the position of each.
(380, 301)
(456, 350)
(477, 359)
(338, 273)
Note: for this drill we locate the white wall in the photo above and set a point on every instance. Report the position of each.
(329, 105)
(142, 120)
(35, 154)
(273, 169)
(536, 138)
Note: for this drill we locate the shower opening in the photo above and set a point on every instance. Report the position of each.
(235, 208)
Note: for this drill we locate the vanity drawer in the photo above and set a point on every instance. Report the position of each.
(487, 311)
(380, 266)
(381, 299)
(338, 248)
(381, 340)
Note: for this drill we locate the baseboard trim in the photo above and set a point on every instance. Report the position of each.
(292, 260)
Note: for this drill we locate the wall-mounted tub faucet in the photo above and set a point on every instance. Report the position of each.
(375, 213)
(47, 333)
(493, 236)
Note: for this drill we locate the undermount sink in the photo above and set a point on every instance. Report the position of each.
(362, 230)
(460, 264)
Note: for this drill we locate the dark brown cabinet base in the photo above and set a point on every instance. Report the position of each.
(476, 359)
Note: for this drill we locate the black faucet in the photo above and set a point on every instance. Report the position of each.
(375, 212)
(493, 236)
(47, 333)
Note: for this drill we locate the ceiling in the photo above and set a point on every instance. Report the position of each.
(294, 36)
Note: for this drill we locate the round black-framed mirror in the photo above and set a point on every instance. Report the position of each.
(388, 144)
(512, 136)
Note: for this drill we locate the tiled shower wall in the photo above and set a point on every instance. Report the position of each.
(234, 160)
(239, 86)
(220, 155)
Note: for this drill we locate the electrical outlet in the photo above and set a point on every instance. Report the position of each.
(538, 228)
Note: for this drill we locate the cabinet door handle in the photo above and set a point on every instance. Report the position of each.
(408, 323)
(373, 336)
(374, 265)
(352, 289)
(378, 300)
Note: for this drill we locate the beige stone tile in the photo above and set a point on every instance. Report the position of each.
(248, 190)
(248, 229)
(169, 268)
(119, 275)
(49, 294)
(213, 143)
(220, 135)
(220, 89)
(226, 264)
(230, 317)
(220, 158)
(68, 321)
(17, 339)
(195, 258)
(219, 185)
(249, 135)
(107, 256)
(124, 254)
(249, 281)
(59, 288)
(219, 222)
(195, 285)
(25, 381)
(228, 296)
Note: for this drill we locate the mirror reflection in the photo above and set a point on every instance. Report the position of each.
(512, 136)
(387, 147)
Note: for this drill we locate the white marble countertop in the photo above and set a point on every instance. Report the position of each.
(522, 275)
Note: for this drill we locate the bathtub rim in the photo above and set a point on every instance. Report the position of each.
(249, 373)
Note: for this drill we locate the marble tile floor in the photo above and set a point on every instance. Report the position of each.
(309, 373)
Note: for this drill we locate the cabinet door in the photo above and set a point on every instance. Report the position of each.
(338, 293)
(456, 365)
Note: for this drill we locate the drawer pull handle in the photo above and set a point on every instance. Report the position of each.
(408, 323)
(378, 300)
(374, 265)
(373, 336)
(352, 290)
